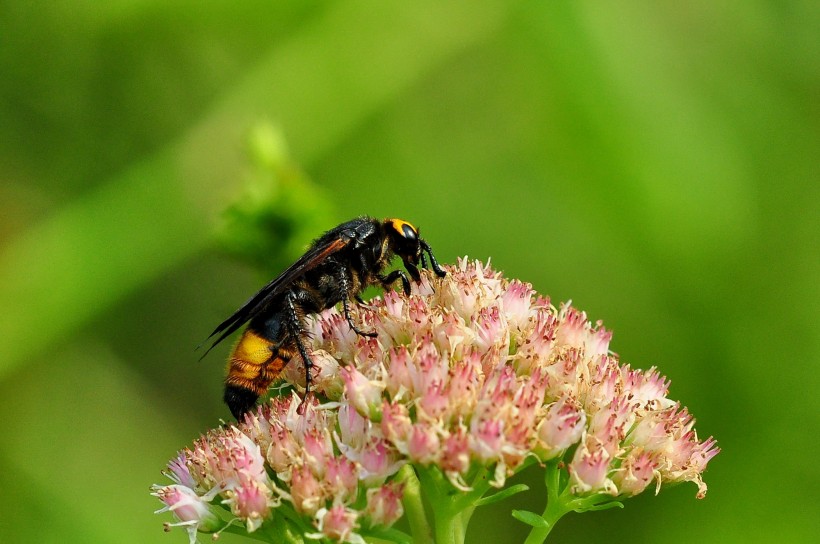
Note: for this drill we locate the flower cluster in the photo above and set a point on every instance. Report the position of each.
(470, 373)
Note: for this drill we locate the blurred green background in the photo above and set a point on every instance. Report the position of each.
(656, 162)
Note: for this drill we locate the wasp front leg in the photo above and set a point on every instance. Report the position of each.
(389, 279)
(440, 272)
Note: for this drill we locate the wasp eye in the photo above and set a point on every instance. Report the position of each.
(409, 232)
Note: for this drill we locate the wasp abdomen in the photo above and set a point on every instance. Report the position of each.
(254, 364)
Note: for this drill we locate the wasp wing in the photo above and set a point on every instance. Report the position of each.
(258, 302)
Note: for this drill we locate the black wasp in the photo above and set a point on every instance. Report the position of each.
(337, 267)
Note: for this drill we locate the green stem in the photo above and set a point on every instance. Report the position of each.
(448, 524)
(465, 504)
(556, 505)
(414, 506)
(451, 509)
(291, 518)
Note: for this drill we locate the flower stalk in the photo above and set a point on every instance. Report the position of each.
(469, 380)
(414, 506)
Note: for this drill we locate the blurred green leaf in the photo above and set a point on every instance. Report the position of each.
(279, 210)
(75, 450)
(655, 163)
(156, 214)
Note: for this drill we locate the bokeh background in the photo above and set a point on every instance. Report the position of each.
(656, 162)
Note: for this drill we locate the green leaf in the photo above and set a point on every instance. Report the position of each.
(530, 518)
(501, 495)
(605, 506)
(392, 535)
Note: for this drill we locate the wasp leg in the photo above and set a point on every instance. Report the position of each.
(346, 306)
(440, 272)
(413, 271)
(388, 280)
(296, 331)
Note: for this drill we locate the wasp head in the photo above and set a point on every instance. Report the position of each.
(407, 244)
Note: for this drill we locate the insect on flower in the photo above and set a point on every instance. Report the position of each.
(336, 268)
(474, 378)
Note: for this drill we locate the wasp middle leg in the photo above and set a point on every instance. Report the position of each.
(345, 288)
(297, 331)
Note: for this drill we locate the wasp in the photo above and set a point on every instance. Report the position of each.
(335, 269)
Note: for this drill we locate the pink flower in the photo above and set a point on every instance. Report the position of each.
(306, 491)
(353, 427)
(325, 374)
(180, 472)
(589, 468)
(424, 445)
(384, 504)
(223, 458)
(636, 472)
(517, 303)
(362, 393)
(282, 450)
(317, 450)
(562, 427)
(455, 457)
(396, 425)
(339, 523)
(342, 479)
(469, 376)
(491, 329)
(193, 511)
(378, 461)
(250, 501)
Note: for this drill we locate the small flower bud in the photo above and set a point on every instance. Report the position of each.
(635, 473)
(306, 491)
(589, 468)
(339, 523)
(250, 501)
(384, 504)
(378, 461)
(193, 512)
(561, 427)
(363, 394)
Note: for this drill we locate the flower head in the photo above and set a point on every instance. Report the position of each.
(192, 510)
(469, 372)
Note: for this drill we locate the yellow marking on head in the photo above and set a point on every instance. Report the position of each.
(399, 224)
